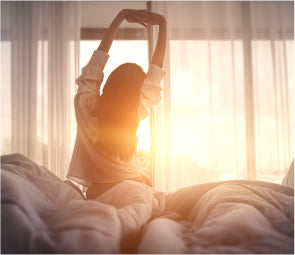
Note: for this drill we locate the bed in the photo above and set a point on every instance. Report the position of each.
(40, 213)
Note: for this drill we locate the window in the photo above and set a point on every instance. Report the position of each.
(208, 116)
(206, 131)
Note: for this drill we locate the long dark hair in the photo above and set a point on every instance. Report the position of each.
(118, 111)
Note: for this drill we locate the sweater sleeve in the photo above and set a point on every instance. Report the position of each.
(151, 88)
(87, 97)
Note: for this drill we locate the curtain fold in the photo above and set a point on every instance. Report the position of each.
(228, 99)
(274, 114)
(23, 79)
(44, 39)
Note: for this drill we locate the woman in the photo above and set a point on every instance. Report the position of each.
(107, 124)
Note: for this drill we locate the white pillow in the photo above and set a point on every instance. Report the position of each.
(289, 177)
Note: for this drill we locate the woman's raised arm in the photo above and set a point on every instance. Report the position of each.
(110, 34)
(158, 56)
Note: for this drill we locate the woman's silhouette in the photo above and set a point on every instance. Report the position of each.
(107, 124)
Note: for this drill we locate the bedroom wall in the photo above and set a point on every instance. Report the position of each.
(99, 14)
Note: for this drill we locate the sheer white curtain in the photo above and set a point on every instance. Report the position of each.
(228, 101)
(39, 63)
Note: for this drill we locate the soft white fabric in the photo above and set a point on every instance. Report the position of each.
(289, 177)
(42, 214)
(150, 91)
(89, 164)
(151, 87)
(42, 61)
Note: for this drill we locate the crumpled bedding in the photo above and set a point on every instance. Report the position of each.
(42, 214)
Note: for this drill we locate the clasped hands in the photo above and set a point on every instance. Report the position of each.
(143, 17)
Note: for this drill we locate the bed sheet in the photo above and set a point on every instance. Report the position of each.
(42, 214)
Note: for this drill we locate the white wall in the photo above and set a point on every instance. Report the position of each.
(194, 14)
(100, 14)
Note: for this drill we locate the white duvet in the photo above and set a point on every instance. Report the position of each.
(42, 214)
